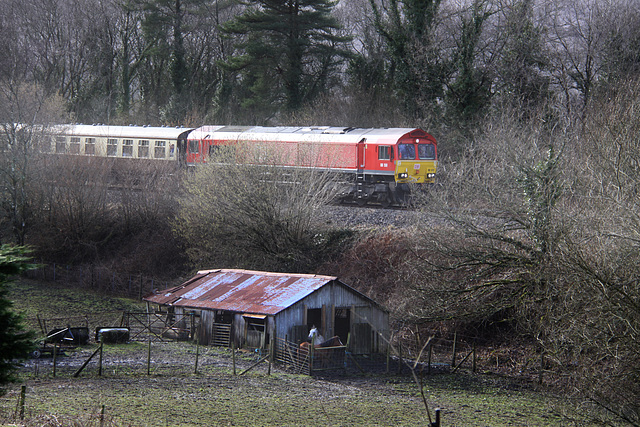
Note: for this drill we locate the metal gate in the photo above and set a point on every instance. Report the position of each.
(160, 326)
(304, 359)
(221, 334)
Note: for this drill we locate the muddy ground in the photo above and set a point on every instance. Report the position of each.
(171, 391)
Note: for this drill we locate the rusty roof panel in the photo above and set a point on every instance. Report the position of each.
(241, 291)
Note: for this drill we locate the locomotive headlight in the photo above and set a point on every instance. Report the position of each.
(403, 175)
(431, 175)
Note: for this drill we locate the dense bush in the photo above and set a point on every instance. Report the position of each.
(539, 231)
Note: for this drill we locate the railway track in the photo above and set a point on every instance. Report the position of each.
(352, 215)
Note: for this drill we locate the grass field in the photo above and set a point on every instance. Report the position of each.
(173, 393)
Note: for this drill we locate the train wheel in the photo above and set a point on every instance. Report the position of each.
(361, 201)
(385, 202)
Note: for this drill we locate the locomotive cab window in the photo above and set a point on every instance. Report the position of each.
(160, 149)
(406, 151)
(384, 152)
(90, 146)
(61, 145)
(74, 145)
(143, 148)
(127, 148)
(112, 147)
(426, 151)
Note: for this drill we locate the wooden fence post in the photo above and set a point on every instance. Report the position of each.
(149, 357)
(311, 357)
(272, 352)
(474, 356)
(55, 355)
(195, 369)
(437, 422)
(453, 355)
(23, 396)
(100, 357)
(388, 357)
(86, 362)
(233, 354)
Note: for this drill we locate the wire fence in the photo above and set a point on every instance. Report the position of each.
(100, 279)
(434, 354)
(445, 353)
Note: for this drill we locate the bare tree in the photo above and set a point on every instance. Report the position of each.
(237, 213)
(491, 253)
(537, 228)
(603, 256)
(79, 211)
(21, 105)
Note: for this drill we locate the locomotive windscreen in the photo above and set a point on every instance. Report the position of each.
(426, 152)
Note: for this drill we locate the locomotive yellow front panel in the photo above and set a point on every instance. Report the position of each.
(418, 172)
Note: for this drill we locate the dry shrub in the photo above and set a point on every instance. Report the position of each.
(376, 264)
(92, 209)
(258, 216)
(540, 233)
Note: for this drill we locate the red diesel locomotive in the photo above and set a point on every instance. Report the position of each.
(379, 163)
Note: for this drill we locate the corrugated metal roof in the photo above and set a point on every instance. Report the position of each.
(241, 291)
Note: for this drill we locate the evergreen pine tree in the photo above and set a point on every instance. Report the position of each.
(286, 52)
(15, 342)
(164, 27)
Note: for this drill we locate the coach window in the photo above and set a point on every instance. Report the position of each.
(112, 147)
(74, 145)
(159, 152)
(127, 148)
(426, 151)
(45, 145)
(61, 145)
(143, 148)
(89, 146)
(407, 151)
(384, 152)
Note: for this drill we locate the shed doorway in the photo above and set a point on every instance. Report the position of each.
(314, 318)
(342, 323)
(255, 331)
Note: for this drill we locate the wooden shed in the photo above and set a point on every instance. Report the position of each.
(253, 308)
